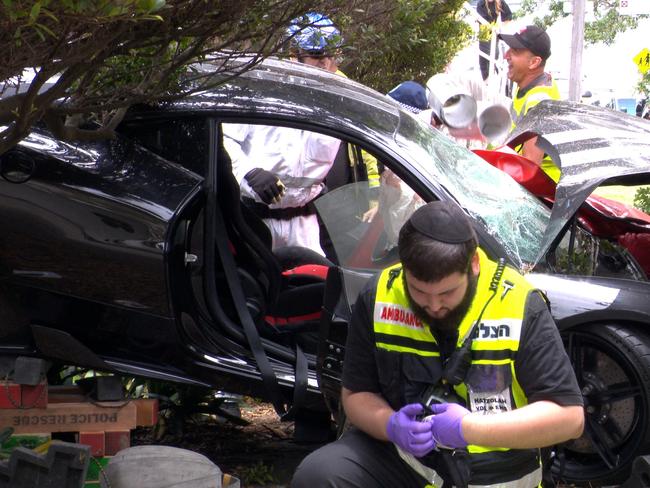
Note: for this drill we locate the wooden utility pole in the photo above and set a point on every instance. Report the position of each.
(577, 44)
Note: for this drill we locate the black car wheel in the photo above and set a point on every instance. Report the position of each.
(612, 365)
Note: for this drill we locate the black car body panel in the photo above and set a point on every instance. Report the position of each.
(576, 300)
(84, 246)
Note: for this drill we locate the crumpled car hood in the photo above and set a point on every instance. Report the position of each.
(591, 145)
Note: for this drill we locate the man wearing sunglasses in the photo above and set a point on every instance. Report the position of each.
(281, 170)
(315, 40)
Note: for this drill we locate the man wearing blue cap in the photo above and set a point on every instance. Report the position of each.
(411, 96)
(454, 371)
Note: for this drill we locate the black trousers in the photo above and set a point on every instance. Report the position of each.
(356, 460)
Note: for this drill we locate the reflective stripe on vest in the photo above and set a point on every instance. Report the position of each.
(532, 479)
(521, 106)
(434, 480)
(495, 343)
(429, 474)
(394, 320)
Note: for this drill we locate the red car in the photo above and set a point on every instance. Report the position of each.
(602, 217)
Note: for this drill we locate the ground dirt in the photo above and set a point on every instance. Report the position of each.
(261, 453)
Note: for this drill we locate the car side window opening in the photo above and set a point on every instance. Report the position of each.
(352, 235)
(583, 253)
(284, 285)
(359, 216)
(180, 140)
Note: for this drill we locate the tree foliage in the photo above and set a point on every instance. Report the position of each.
(607, 23)
(101, 56)
(397, 40)
(77, 65)
(644, 84)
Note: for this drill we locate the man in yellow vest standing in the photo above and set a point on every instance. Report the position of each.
(529, 50)
(454, 371)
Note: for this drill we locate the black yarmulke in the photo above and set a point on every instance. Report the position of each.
(442, 221)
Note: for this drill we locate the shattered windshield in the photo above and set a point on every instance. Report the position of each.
(508, 212)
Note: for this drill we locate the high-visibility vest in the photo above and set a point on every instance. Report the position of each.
(521, 106)
(491, 384)
(372, 167)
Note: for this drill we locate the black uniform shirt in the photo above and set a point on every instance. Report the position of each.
(542, 366)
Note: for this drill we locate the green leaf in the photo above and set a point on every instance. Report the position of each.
(150, 5)
(43, 28)
(33, 14)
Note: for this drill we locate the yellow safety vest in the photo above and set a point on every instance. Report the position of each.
(372, 168)
(521, 106)
(491, 384)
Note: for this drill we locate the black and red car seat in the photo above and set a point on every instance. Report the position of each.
(284, 287)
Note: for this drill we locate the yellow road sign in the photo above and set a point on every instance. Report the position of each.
(642, 60)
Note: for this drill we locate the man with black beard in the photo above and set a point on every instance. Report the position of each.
(449, 320)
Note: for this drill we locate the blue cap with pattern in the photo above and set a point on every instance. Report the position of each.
(315, 33)
(410, 95)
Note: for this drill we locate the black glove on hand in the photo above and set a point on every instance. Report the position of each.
(265, 184)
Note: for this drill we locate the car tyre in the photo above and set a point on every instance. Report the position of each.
(612, 365)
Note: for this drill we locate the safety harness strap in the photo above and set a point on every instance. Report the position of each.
(220, 238)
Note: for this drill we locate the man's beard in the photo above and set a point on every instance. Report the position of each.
(453, 319)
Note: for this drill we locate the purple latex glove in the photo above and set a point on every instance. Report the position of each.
(446, 424)
(412, 436)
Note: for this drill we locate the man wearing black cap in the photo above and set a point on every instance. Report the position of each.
(529, 50)
(469, 338)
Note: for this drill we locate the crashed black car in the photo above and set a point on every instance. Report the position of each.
(135, 255)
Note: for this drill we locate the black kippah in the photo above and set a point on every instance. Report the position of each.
(442, 221)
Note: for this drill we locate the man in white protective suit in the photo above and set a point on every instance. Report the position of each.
(281, 170)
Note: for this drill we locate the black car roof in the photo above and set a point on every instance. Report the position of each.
(287, 90)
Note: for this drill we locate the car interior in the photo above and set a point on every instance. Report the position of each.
(284, 286)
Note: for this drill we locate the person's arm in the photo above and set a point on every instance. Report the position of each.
(234, 136)
(543, 370)
(531, 151)
(367, 411)
(372, 169)
(360, 394)
(539, 424)
(254, 181)
(554, 413)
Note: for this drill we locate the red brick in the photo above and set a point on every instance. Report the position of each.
(116, 441)
(95, 440)
(10, 395)
(34, 396)
(147, 413)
